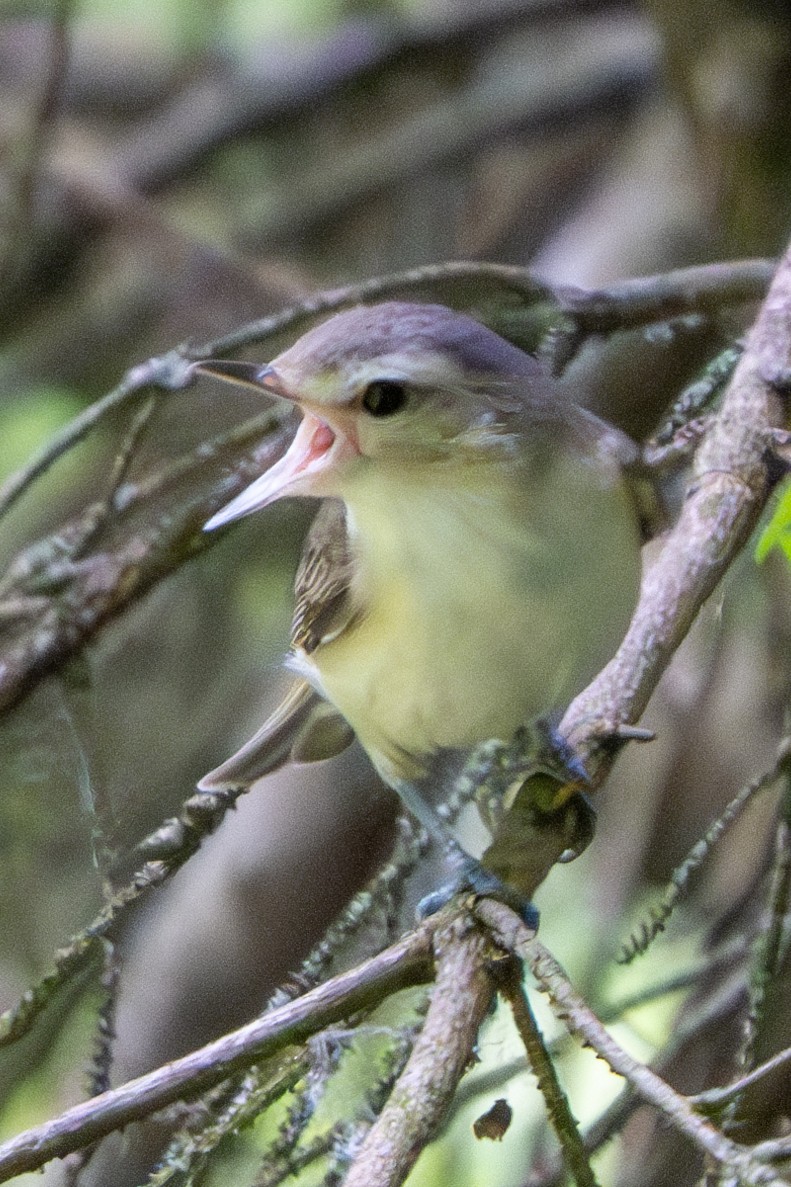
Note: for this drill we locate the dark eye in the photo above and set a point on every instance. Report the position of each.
(384, 397)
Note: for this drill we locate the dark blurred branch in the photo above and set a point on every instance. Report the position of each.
(617, 64)
(601, 70)
(281, 82)
(23, 217)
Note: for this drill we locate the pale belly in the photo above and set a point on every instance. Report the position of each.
(476, 624)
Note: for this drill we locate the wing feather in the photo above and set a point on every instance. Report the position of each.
(323, 607)
(303, 728)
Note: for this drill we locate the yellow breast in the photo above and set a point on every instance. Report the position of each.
(488, 599)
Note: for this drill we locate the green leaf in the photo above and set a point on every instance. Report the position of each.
(777, 533)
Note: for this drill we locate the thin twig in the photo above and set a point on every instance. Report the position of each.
(189, 1152)
(169, 371)
(377, 1094)
(771, 947)
(80, 952)
(324, 1053)
(577, 1016)
(311, 1151)
(558, 1107)
(123, 460)
(696, 399)
(712, 962)
(773, 1149)
(85, 592)
(102, 1056)
(713, 1098)
(660, 912)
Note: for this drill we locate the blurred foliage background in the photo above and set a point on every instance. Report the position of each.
(172, 168)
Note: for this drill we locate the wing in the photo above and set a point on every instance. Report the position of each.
(323, 606)
(303, 728)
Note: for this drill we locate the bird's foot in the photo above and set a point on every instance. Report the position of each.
(472, 878)
(537, 754)
(556, 758)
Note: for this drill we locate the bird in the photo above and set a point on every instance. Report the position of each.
(475, 558)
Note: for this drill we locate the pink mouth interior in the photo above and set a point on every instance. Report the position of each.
(321, 440)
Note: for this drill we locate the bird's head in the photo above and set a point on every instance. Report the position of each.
(396, 384)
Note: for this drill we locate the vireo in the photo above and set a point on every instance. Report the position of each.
(476, 557)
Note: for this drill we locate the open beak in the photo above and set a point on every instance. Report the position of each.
(316, 448)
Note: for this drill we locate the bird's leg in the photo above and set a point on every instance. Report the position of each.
(529, 792)
(469, 876)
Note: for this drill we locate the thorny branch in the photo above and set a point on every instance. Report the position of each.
(558, 1108)
(577, 1016)
(463, 990)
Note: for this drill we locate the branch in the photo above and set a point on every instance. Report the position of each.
(732, 477)
(578, 1018)
(404, 964)
(460, 999)
(565, 1124)
(487, 290)
(702, 288)
(59, 592)
(88, 594)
